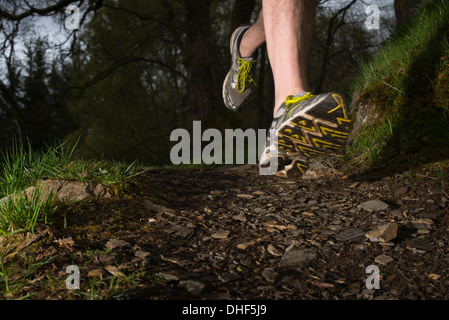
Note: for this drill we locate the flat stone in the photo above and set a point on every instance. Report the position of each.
(297, 257)
(116, 243)
(141, 254)
(351, 235)
(383, 259)
(156, 207)
(318, 169)
(167, 276)
(221, 234)
(400, 192)
(374, 205)
(421, 245)
(269, 274)
(360, 247)
(66, 191)
(193, 287)
(246, 196)
(229, 277)
(239, 217)
(244, 245)
(181, 231)
(384, 233)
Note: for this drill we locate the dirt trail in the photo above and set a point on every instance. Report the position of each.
(229, 233)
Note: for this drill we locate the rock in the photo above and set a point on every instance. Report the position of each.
(239, 217)
(157, 208)
(274, 251)
(193, 287)
(269, 274)
(374, 205)
(360, 247)
(105, 259)
(67, 191)
(351, 235)
(244, 245)
(364, 114)
(141, 254)
(384, 233)
(180, 231)
(421, 245)
(320, 168)
(72, 190)
(220, 234)
(229, 277)
(116, 243)
(297, 257)
(245, 196)
(400, 192)
(383, 259)
(167, 276)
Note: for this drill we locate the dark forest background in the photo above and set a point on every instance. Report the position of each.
(136, 70)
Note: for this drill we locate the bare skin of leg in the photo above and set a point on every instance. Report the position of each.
(253, 38)
(287, 26)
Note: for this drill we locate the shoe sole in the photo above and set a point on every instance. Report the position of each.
(224, 93)
(321, 128)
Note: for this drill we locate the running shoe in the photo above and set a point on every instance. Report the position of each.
(239, 82)
(306, 126)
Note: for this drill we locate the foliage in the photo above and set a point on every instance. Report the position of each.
(138, 70)
(39, 106)
(22, 211)
(403, 86)
(402, 49)
(24, 167)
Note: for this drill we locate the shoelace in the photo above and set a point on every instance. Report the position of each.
(291, 100)
(244, 74)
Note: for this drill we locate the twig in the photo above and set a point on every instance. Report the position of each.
(442, 188)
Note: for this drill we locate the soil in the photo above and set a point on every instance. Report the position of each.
(230, 233)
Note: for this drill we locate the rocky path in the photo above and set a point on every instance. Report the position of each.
(229, 233)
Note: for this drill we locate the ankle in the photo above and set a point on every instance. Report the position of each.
(251, 41)
(245, 50)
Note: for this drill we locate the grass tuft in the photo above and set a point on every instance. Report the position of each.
(23, 167)
(404, 90)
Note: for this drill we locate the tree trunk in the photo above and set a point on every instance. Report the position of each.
(200, 60)
(405, 10)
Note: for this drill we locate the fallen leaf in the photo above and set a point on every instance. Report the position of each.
(320, 284)
(244, 245)
(96, 273)
(113, 270)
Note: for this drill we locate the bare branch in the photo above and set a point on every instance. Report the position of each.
(4, 14)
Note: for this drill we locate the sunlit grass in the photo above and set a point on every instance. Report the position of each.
(21, 211)
(404, 92)
(369, 143)
(23, 167)
(400, 51)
